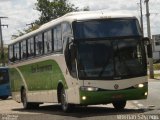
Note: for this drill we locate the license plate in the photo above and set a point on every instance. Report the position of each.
(119, 96)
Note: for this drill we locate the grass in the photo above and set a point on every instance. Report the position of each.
(156, 66)
(156, 76)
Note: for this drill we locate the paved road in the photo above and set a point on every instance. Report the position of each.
(10, 110)
(152, 103)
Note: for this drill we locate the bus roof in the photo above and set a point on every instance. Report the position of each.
(74, 16)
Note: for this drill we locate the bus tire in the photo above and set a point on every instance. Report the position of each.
(66, 107)
(119, 105)
(26, 104)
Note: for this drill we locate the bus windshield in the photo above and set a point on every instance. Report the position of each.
(106, 28)
(111, 59)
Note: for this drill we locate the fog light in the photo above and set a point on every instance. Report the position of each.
(84, 98)
(140, 85)
(145, 93)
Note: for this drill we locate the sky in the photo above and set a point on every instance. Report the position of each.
(22, 12)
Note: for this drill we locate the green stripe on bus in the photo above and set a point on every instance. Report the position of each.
(15, 80)
(105, 97)
(41, 75)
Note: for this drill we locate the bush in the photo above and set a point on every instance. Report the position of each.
(156, 66)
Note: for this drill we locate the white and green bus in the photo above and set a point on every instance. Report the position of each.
(81, 58)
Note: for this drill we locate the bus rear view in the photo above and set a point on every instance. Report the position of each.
(111, 61)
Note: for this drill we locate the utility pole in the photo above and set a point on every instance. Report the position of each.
(1, 42)
(151, 72)
(141, 17)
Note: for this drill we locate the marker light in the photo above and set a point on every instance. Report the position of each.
(87, 88)
(140, 85)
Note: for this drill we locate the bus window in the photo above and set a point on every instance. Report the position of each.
(23, 50)
(57, 39)
(30, 47)
(48, 42)
(66, 32)
(39, 44)
(66, 29)
(11, 59)
(16, 51)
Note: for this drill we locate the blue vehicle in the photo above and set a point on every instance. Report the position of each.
(5, 91)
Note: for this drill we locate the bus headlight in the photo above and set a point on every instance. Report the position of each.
(87, 88)
(140, 85)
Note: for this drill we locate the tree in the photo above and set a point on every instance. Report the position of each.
(86, 8)
(53, 9)
(4, 56)
(49, 10)
(24, 31)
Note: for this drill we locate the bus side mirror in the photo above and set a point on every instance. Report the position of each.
(70, 40)
(146, 40)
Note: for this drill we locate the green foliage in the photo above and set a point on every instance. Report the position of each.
(86, 8)
(23, 32)
(157, 76)
(5, 56)
(52, 10)
(156, 66)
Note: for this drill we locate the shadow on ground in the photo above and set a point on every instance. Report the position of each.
(81, 112)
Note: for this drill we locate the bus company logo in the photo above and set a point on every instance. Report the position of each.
(37, 68)
(116, 86)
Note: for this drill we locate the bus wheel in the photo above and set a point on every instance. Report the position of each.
(64, 103)
(26, 104)
(4, 97)
(119, 105)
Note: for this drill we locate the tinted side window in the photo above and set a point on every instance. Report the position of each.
(48, 42)
(58, 38)
(39, 44)
(23, 49)
(66, 33)
(66, 29)
(16, 51)
(11, 53)
(30, 47)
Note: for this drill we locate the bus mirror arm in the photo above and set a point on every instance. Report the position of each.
(70, 40)
(146, 40)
